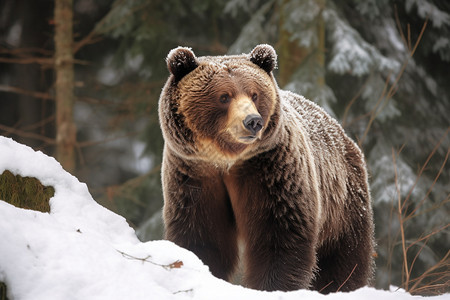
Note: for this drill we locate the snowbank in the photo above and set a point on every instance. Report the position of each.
(83, 251)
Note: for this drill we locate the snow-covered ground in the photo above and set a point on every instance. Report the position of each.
(83, 251)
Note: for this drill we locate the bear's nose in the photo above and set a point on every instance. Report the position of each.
(253, 123)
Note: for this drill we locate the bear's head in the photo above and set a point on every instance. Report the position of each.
(219, 108)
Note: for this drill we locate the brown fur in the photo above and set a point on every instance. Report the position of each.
(296, 195)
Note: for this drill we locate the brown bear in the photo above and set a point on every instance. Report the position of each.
(246, 163)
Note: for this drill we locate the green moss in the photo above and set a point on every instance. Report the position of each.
(25, 192)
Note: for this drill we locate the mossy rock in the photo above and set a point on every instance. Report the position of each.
(3, 291)
(25, 192)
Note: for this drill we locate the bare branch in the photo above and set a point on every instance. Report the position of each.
(26, 134)
(352, 101)
(385, 97)
(401, 223)
(93, 143)
(175, 265)
(441, 263)
(21, 51)
(436, 147)
(38, 60)
(350, 275)
(39, 95)
(27, 60)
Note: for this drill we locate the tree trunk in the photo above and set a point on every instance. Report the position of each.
(20, 111)
(65, 127)
(291, 55)
(320, 56)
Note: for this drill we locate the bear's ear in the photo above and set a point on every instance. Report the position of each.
(181, 61)
(265, 57)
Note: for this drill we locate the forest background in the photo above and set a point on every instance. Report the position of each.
(81, 80)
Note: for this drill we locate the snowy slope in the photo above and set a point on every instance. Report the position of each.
(84, 251)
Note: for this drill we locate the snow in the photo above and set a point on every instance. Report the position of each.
(81, 250)
(350, 52)
(426, 10)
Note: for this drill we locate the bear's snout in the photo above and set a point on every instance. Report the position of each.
(253, 123)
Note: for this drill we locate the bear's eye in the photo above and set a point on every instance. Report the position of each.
(254, 97)
(225, 98)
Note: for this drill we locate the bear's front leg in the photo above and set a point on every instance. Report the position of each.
(280, 251)
(276, 214)
(276, 262)
(198, 217)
